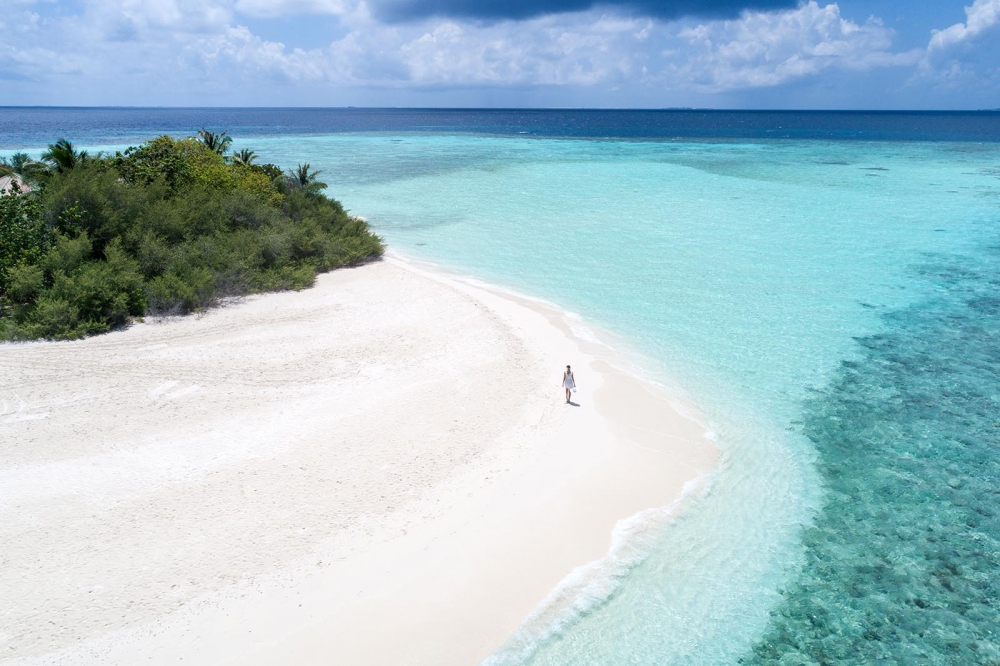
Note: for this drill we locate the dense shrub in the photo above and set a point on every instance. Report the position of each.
(168, 227)
(24, 237)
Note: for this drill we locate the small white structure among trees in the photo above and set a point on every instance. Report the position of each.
(13, 184)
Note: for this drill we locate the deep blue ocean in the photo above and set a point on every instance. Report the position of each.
(34, 127)
(824, 285)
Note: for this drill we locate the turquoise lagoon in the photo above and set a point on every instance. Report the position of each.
(833, 307)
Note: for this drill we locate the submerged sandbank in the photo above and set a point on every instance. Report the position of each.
(380, 469)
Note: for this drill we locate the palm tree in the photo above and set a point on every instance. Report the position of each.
(306, 179)
(15, 163)
(217, 143)
(26, 169)
(62, 156)
(244, 157)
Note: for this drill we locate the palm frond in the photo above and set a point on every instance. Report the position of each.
(62, 156)
(216, 142)
(302, 176)
(245, 157)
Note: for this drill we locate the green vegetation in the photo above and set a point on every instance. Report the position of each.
(22, 166)
(167, 227)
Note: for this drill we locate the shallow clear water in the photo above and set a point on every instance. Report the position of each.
(832, 306)
(903, 560)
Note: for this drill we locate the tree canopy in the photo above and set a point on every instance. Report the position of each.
(167, 227)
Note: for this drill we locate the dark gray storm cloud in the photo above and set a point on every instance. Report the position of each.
(405, 10)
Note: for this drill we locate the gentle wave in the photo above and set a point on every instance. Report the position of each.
(591, 585)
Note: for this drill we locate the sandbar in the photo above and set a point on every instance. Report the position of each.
(379, 469)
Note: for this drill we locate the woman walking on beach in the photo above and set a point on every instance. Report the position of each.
(569, 383)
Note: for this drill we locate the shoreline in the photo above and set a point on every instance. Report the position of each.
(463, 550)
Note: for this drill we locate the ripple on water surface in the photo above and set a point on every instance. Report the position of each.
(903, 561)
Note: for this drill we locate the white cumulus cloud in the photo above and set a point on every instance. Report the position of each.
(204, 51)
(286, 8)
(960, 57)
(769, 48)
(981, 16)
(581, 50)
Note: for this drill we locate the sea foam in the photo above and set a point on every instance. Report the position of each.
(590, 585)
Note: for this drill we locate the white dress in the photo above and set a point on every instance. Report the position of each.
(568, 381)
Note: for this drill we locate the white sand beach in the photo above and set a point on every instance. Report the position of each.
(379, 470)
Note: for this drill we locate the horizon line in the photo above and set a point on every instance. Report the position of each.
(497, 108)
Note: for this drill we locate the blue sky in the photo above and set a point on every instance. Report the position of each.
(877, 54)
